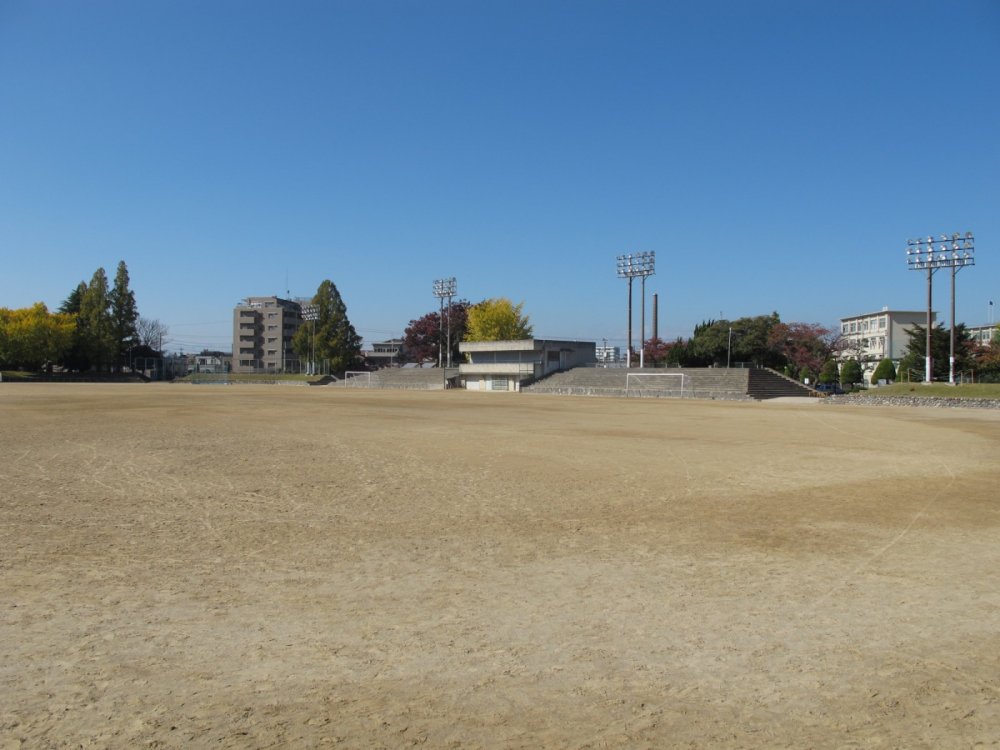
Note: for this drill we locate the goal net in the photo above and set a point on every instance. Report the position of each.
(354, 379)
(656, 385)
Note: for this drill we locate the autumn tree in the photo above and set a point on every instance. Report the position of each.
(656, 352)
(32, 337)
(331, 336)
(802, 344)
(497, 320)
(425, 336)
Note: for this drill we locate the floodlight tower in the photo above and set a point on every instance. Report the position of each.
(311, 313)
(955, 252)
(629, 267)
(444, 288)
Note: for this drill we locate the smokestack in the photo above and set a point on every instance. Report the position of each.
(656, 315)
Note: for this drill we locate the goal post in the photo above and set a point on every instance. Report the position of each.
(657, 385)
(357, 379)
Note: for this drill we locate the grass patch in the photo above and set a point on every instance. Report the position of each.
(936, 390)
(15, 375)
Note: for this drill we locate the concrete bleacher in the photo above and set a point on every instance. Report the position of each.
(701, 382)
(404, 378)
(737, 384)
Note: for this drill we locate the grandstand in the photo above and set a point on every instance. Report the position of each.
(735, 384)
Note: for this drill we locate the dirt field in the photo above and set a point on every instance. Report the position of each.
(253, 566)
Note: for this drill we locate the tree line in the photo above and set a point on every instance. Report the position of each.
(96, 328)
(810, 350)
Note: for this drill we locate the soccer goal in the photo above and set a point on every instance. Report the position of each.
(657, 385)
(356, 379)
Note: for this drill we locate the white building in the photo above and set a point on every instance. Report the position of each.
(872, 337)
(507, 365)
(608, 354)
(982, 335)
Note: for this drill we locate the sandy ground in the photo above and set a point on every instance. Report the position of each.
(243, 566)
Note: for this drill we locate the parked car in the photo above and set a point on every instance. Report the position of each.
(831, 388)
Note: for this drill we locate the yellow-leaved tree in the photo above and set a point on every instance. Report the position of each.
(497, 320)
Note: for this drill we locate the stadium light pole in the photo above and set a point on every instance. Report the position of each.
(629, 267)
(444, 288)
(311, 313)
(955, 252)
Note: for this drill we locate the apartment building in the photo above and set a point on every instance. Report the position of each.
(263, 328)
(872, 337)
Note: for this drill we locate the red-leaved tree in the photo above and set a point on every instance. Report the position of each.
(804, 345)
(424, 335)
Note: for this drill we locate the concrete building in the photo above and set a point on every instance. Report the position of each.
(608, 354)
(872, 337)
(384, 353)
(982, 335)
(263, 328)
(507, 365)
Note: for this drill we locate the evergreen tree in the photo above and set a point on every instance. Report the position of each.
(916, 350)
(331, 336)
(75, 357)
(884, 371)
(851, 373)
(95, 324)
(829, 373)
(124, 316)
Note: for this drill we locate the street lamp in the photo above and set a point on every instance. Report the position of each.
(311, 313)
(444, 288)
(955, 252)
(629, 267)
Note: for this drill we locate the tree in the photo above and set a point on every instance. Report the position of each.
(96, 329)
(940, 350)
(32, 337)
(424, 335)
(802, 344)
(497, 320)
(331, 336)
(851, 373)
(656, 352)
(805, 374)
(151, 333)
(72, 303)
(745, 340)
(829, 373)
(123, 316)
(885, 370)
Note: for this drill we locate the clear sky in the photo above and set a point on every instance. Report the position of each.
(775, 154)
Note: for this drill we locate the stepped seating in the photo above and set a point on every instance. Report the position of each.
(406, 378)
(702, 382)
(764, 384)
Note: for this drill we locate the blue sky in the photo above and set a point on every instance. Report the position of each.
(776, 155)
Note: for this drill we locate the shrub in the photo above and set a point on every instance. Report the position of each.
(885, 371)
(851, 373)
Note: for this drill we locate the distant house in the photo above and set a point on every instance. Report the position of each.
(210, 362)
(507, 365)
(384, 353)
